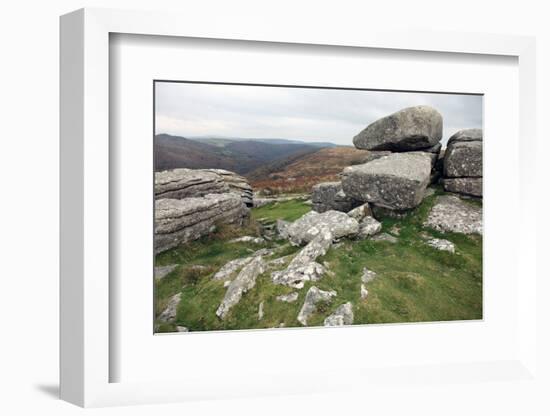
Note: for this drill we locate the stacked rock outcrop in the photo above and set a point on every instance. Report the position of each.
(189, 203)
(463, 163)
(397, 181)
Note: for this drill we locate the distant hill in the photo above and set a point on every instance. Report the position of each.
(241, 156)
(222, 141)
(299, 172)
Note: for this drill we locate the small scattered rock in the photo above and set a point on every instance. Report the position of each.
(231, 267)
(245, 280)
(361, 212)
(314, 295)
(343, 315)
(368, 275)
(182, 329)
(290, 298)
(364, 292)
(163, 271)
(303, 266)
(368, 227)
(261, 311)
(395, 230)
(441, 244)
(388, 238)
(169, 313)
(248, 239)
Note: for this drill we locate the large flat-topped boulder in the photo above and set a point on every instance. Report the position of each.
(412, 128)
(178, 221)
(463, 159)
(191, 183)
(307, 227)
(396, 182)
(451, 214)
(328, 196)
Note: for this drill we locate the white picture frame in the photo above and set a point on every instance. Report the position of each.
(85, 219)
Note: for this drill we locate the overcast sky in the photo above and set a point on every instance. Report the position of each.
(295, 113)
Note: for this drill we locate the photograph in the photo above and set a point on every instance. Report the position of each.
(282, 206)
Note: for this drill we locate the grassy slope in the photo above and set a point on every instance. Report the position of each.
(415, 282)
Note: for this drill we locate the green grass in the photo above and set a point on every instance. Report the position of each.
(287, 210)
(414, 282)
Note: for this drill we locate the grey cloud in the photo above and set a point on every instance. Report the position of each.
(295, 113)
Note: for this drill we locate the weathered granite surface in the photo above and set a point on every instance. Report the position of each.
(343, 315)
(307, 227)
(451, 214)
(396, 182)
(466, 186)
(328, 196)
(178, 221)
(412, 128)
(313, 296)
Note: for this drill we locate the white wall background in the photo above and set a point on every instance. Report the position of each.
(29, 207)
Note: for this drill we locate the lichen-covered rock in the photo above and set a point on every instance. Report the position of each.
(463, 159)
(313, 296)
(188, 183)
(396, 182)
(385, 237)
(303, 267)
(169, 313)
(228, 270)
(290, 298)
(237, 184)
(297, 275)
(245, 280)
(466, 135)
(162, 271)
(282, 226)
(368, 276)
(178, 221)
(248, 239)
(451, 214)
(412, 128)
(441, 244)
(261, 311)
(192, 183)
(328, 196)
(306, 228)
(231, 267)
(360, 212)
(364, 292)
(343, 315)
(466, 186)
(368, 227)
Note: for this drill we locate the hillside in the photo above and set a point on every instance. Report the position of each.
(299, 172)
(413, 282)
(239, 156)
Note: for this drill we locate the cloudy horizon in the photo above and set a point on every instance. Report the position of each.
(307, 114)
